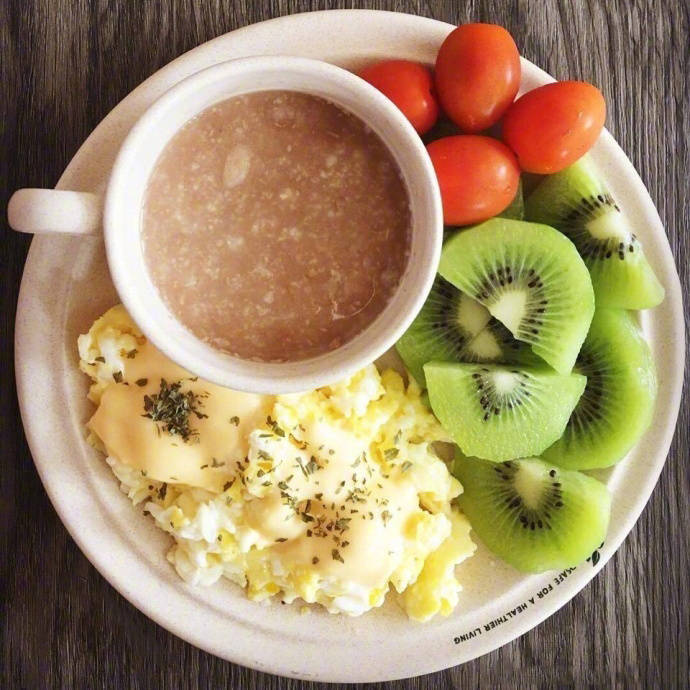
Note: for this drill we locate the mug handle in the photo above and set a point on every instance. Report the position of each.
(43, 211)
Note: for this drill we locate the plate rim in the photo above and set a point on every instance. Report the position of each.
(42, 456)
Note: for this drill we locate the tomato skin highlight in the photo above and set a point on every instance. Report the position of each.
(477, 75)
(410, 86)
(478, 177)
(552, 126)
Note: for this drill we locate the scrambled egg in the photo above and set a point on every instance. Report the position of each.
(331, 496)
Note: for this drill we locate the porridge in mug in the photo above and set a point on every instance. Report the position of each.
(276, 226)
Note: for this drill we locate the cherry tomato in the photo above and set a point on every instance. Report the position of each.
(551, 127)
(478, 177)
(410, 86)
(477, 75)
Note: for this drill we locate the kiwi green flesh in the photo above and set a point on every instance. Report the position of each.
(516, 208)
(577, 202)
(502, 412)
(630, 284)
(618, 401)
(447, 322)
(533, 515)
(531, 278)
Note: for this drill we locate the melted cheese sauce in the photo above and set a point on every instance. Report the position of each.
(342, 514)
(208, 459)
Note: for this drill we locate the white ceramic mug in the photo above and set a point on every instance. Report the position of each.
(119, 214)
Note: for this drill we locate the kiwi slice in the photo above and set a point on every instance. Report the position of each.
(499, 412)
(577, 202)
(447, 322)
(531, 278)
(531, 514)
(617, 404)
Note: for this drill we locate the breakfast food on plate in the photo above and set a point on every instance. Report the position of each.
(478, 177)
(477, 75)
(578, 203)
(302, 232)
(283, 209)
(332, 496)
(502, 412)
(531, 278)
(410, 86)
(552, 126)
(617, 404)
(452, 327)
(533, 515)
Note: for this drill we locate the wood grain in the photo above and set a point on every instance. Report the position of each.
(63, 65)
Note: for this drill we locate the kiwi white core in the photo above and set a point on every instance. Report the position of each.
(485, 344)
(609, 225)
(471, 315)
(529, 482)
(509, 309)
(505, 381)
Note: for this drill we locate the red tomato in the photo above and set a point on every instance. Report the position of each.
(551, 127)
(478, 177)
(410, 86)
(477, 75)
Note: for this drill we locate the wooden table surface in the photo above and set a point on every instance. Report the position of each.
(63, 65)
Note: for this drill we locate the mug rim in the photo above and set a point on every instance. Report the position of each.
(122, 231)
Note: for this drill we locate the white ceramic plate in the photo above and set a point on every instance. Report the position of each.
(66, 285)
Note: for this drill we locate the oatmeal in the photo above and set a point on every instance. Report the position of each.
(276, 226)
